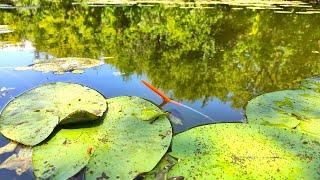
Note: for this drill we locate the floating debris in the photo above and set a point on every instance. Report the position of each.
(62, 65)
(308, 12)
(283, 12)
(8, 148)
(5, 29)
(20, 162)
(118, 73)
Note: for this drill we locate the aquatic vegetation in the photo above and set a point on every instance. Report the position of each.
(62, 65)
(134, 135)
(293, 109)
(31, 117)
(123, 146)
(229, 53)
(240, 151)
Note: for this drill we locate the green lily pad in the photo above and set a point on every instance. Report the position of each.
(31, 117)
(242, 151)
(65, 154)
(295, 109)
(62, 65)
(122, 146)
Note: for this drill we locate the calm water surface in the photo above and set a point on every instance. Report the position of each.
(213, 60)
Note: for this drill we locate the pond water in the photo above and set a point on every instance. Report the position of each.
(213, 59)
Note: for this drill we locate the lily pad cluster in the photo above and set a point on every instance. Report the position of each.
(62, 65)
(281, 141)
(70, 128)
(133, 137)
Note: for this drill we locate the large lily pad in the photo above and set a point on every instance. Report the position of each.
(295, 109)
(129, 141)
(31, 117)
(62, 65)
(242, 151)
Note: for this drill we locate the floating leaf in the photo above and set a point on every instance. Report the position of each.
(62, 65)
(242, 151)
(295, 109)
(31, 117)
(122, 146)
(20, 162)
(65, 154)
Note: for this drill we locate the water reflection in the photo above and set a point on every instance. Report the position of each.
(196, 55)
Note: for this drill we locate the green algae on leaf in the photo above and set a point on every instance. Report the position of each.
(295, 109)
(242, 151)
(31, 117)
(62, 65)
(64, 155)
(122, 146)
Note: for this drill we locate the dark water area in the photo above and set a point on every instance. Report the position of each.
(211, 59)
